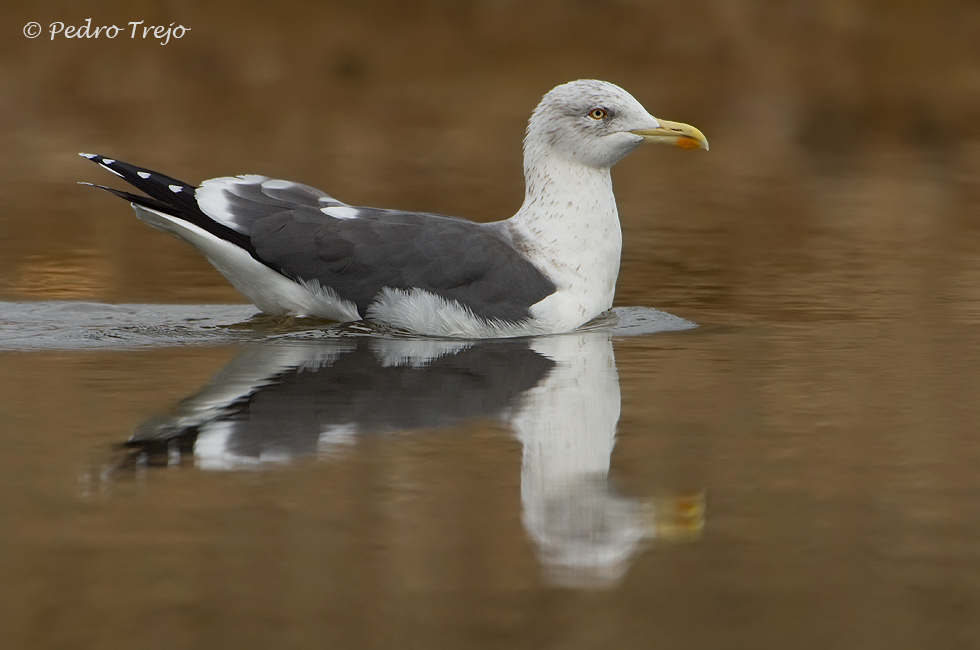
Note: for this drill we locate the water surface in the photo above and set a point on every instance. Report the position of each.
(798, 471)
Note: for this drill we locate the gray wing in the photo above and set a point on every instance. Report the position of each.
(357, 251)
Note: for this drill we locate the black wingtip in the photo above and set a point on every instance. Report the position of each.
(136, 199)
(167, 195)
(103, 187)
(97, 158)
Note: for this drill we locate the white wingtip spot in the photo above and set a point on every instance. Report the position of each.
(143, 174)
(341, 212)
(107, 161)
(90, 156)
(175, 188)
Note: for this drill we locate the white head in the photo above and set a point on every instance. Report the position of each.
(596, 123)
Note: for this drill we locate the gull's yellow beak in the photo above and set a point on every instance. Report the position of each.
(675, 133)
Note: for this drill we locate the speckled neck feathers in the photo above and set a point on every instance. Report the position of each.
(569, 223)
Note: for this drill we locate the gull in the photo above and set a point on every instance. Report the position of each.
(292, 249)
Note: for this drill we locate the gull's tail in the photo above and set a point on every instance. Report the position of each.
(166, 196)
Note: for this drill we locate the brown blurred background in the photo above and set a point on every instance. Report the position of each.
(830, 240)
(844, 134)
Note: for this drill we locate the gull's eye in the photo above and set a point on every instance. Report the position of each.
(597, 113)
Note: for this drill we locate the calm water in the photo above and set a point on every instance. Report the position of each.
(798, 471)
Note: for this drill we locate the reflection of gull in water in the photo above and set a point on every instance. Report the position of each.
(567, 424)
(280, 401)
(585, 530)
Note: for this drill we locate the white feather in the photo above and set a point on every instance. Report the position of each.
(268, 290)
(417, 310)
(212, 201)
(340, 212)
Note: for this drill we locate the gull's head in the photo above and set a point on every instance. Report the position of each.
(596, 123)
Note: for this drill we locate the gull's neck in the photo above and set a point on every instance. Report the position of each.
(569, 227)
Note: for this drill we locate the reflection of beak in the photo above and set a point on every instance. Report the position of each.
(676, 133)
(679, 517)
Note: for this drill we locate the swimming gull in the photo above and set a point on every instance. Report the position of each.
(293, 249)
